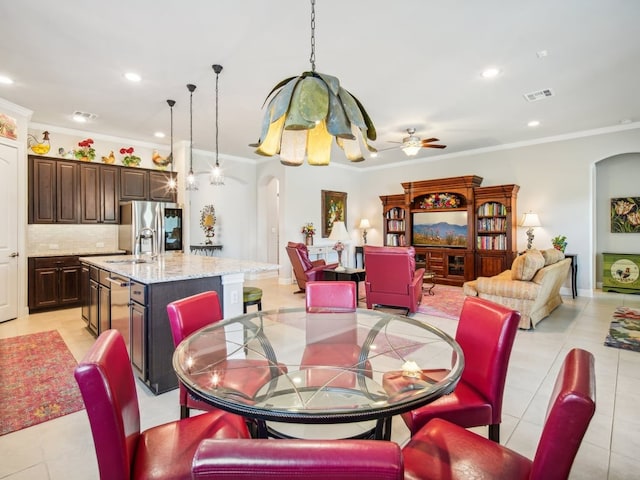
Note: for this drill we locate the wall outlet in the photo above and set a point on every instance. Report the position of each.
(99, 244)
(234, 297)
(53, 246)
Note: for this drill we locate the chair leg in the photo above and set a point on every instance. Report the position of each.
(184, 412)
(494, 432)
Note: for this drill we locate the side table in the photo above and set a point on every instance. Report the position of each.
(359, 250)
(574, 273)
(429, 279)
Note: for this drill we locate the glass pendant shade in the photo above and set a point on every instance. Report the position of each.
(306, 113)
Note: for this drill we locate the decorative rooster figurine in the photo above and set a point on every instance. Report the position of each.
(110, 159)
(39, 148)
(159, 161)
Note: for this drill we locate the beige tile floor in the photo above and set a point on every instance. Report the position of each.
(62, 449)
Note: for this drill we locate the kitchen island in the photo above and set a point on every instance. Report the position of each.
(150, 284)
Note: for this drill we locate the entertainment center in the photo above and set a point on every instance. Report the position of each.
(459, 229)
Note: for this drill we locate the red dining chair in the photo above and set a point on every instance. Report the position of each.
(486, 332)
(286, 459)
(164, 452)
(192, 313)
(331, 355)
(444, 450)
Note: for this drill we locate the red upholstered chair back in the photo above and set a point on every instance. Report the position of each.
(299, 256)
(486, 332)
(108, 389)
(571, 407)
(192, 313)
(331, 297)
(261, 459)
(185, 317)
(390, 269)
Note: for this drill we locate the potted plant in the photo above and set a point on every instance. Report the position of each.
(308, 230)
(559, 242)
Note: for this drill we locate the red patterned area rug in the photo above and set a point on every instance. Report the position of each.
(624, 331)
(445, 302)
(36, 380)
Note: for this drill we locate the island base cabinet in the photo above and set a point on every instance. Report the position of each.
(151, 346)
(138, 334)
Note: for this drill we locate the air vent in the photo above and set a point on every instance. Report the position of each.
(538, 95)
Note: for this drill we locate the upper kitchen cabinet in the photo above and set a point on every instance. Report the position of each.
(53, 191)
(99, 193)
(159, 186)
(140, 184)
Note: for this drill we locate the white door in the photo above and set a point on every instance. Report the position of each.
(8, 232)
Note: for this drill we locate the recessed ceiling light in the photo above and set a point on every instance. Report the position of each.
(132, 77)
(533, 123)
(491, 72)
(542, 53)
(373, 154)
(5, 80)
(159, 135)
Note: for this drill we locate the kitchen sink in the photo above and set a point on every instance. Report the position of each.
(129, 260)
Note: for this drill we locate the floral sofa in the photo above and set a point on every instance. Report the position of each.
(532, 286)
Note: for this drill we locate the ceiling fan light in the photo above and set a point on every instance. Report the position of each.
(411, 148)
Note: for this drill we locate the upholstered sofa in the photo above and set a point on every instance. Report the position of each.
(531, 286)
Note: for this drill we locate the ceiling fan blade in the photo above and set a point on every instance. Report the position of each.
(433, 145)
(429, 140)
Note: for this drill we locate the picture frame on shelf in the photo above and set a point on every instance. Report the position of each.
(334, 208)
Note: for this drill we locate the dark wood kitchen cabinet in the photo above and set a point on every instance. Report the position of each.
(99, 194)
(54, 282)
(134, 184)
(53, 190)
(159, 186)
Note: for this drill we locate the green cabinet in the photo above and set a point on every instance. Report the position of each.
(621, 272)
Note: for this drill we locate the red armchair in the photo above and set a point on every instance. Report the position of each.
(486, 332)
(303, 268)
(192, 313)
(287, 459)
(109, 392)
(392, 278)
(445, 450)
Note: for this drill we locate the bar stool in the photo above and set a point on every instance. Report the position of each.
(251, 296)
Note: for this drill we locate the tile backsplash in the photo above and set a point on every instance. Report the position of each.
(71, 239)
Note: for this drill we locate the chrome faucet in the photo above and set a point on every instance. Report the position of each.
(147, 232)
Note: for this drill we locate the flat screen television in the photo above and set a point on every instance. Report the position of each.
(439, 229)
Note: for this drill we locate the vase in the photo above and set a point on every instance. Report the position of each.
(308, 240)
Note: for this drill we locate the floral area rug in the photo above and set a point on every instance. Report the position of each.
(36, 380)
(445, 302)
(624, 331)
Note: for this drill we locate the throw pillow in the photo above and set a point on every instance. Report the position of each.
(552, 255)
(525, 266)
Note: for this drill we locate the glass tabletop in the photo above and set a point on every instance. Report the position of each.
(288, 365)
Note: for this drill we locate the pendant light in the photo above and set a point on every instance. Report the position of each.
(307, 112)
(217, 176)
(191, 178)
(172, 181)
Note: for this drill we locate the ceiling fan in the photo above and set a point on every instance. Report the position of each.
(412, 144)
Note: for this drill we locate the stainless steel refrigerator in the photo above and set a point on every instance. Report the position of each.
(145, 227)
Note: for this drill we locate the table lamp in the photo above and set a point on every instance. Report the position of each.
(530, 220)
(364, 224)
(339, 234)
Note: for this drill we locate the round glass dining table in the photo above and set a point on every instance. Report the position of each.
(321, 374)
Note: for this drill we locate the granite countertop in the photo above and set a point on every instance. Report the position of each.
(64, 253)
(170, 267)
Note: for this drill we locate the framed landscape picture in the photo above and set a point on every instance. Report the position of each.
(334, 208)
(625, 215)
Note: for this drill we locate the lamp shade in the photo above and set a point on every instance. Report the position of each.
(530, 219)
(339, 232)
(364, 224)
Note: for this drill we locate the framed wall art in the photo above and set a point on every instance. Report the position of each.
(625, 215)
(334, 208)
